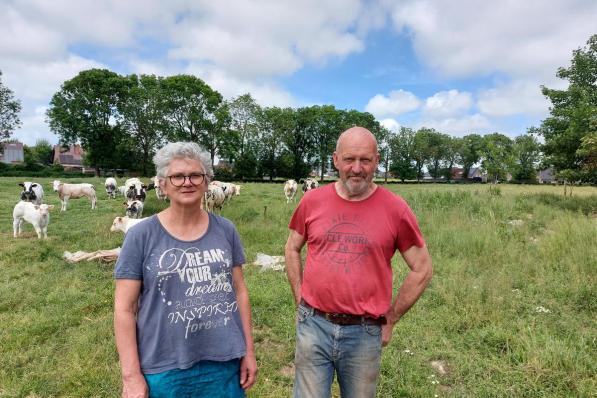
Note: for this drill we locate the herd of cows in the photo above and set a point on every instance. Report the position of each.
(32, 209)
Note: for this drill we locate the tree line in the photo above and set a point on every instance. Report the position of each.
(122, 120)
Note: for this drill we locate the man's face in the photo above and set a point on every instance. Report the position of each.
(356, 160)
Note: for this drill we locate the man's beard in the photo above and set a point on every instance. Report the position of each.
(356, 187)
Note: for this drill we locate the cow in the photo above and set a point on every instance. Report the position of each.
(134, 208)
(135, 189)
(309, 184)
(155, 184)
(124, 223)
(290, 188)
(111, 187)
(74, 191)
(213, 198)
(32, 192)
(37, 215)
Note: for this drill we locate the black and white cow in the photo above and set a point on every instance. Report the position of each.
(135, 189)
(32, 192)
(309, 184)
(111, 187)
(134, 208)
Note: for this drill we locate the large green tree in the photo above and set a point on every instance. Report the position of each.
(497, 156)
(402, 147)
(573, 113)
(469, 152)
(191, 106)
(144, 116)
(10, 107)
(86, 110)
(526, 158)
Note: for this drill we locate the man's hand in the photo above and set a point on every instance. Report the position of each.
(386, 333)
(248, 371)
(134, 387)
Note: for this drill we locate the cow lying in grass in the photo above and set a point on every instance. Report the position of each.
(124, 223)
(74, 191)
(37, 215)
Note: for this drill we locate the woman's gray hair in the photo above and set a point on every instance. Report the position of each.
(181, 150)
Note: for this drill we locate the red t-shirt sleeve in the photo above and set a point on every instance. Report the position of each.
(297, 222)
(409, 233)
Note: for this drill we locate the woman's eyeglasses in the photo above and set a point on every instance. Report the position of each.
(178, 180)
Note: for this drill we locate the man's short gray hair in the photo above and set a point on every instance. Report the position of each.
(181, 150)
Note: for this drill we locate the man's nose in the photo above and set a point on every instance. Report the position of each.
(356, 167)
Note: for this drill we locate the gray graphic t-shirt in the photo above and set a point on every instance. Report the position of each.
(187, 307)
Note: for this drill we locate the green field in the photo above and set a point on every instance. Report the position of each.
(511, 310)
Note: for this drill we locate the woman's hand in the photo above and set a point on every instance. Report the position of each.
(134, 387)
(248, 371)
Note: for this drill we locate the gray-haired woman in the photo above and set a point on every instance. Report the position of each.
(182, 317)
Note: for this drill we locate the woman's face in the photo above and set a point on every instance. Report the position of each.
(187, 194)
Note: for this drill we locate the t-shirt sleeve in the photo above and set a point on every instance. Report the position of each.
(238, 252)
(297, 221)
(409, 233)
(130, 260)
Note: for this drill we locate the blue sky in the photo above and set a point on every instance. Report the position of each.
(460, 66)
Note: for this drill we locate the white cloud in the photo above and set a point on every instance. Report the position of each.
(390, 124)
(396, 103)
(35, 128)
(448, 103)
(463, 37)
(515, 98)
(459, 126)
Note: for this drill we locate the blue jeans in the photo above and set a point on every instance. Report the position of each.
(322, 348)
(204, 379)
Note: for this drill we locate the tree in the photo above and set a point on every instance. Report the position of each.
(450, 155)
(527, 154)
(244, 112)
(144, 116)
(324, 125)
(402, 148)
(86, 110)
(299, 153)
(588, 154)
(469, 152)
(273, 123)
(421, 149)
(10, 107)
(497, 156)
(436, 151)
(191, 107)
(573, 112)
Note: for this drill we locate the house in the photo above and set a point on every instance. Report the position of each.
(456, 173)
(70, 158)
(12, 152)
(546, 176)
(476, 175)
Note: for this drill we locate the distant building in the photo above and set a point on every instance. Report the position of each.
(476, 174)
(12, 153)
(70, 158)
(456, 173)
(546, 176)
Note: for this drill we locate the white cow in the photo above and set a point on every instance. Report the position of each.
(309, 184)
(111, 187)
(32, 192)
(155, 184)
(124, 223)
(74, 191)
(135, 189)
(37, 215)
(290, 188)
(134, 208)
(213, 198)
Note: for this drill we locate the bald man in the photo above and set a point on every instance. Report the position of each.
(344, 293)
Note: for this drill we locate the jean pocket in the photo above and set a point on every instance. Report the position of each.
(373, 330)
(302, 313)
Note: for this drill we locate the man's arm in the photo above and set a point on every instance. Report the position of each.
(294, 266)
(421, 270)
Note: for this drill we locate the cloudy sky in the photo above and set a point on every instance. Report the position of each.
(460, 66)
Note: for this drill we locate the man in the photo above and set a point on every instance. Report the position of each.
(352, 229)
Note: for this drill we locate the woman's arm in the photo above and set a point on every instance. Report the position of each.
(248, 364)
(125, 332)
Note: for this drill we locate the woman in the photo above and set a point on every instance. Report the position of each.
(182, 315)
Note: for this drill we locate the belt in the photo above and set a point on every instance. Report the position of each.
(346, 319)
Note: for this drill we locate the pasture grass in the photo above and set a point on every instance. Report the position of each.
(511, 310)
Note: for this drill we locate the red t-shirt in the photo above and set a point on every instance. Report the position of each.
(350, 245)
